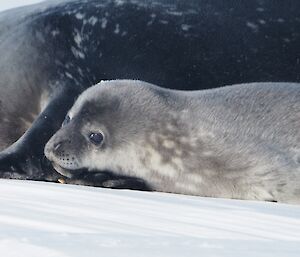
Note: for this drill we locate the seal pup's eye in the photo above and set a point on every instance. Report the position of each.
(96, 138)
(66, 120)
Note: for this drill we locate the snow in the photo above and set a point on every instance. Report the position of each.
(8, 4)
(46, 219)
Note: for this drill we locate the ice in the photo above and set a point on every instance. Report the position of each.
(5, 4)
(45, 219)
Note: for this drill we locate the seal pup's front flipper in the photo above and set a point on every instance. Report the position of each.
(108, 180)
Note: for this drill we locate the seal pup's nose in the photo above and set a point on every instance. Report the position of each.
(52, 148)
(57, 147)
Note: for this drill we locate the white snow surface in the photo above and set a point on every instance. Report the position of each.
(8, 4)
(46, 219)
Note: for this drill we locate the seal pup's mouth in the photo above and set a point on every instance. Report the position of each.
(65, 172)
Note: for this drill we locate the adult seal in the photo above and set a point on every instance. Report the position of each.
(53, 51)
(240, 141)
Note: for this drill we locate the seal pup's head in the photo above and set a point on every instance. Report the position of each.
(105, 127)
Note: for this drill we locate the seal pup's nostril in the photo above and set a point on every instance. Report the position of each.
(57, 146)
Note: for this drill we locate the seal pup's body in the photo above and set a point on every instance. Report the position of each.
(240, 141)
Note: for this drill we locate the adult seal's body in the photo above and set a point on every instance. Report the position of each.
(51, 52)
(240, 141)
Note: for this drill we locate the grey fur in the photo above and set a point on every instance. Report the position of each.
(239, 141)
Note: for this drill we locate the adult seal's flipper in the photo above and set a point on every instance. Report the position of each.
(25, 158)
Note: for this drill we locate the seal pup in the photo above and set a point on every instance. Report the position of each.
(240, 141)
(52, 51)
